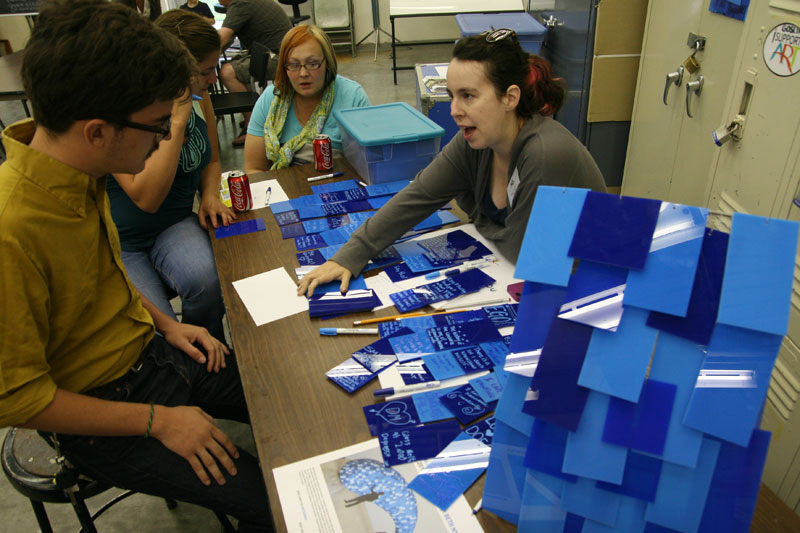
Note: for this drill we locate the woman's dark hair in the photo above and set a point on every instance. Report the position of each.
(90, 59)
(508, 64)
(200, 37)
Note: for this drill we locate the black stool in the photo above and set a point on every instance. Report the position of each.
(43, 476)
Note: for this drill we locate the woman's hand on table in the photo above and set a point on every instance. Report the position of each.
(212, 208)
(328, 271)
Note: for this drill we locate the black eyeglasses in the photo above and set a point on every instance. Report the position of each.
(492, 36)
(311, 65)
(161, 131)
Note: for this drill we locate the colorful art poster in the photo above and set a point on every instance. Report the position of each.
(351, 490)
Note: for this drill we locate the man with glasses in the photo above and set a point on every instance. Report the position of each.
(79, 357)
(262, 21)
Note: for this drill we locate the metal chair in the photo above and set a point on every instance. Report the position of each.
(296, 17)
(232, 103)
(42, 474)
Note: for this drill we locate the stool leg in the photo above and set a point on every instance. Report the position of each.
(41, 516)
(226, 524)
(84, 517)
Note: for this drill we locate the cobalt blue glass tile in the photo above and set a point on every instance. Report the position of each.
(334, 303)
(649, 527)
(488, 387)
(309, 242)
(357, 284)
(583, 498)
(630, 519)
(643, 425)
(615, 230)
(452, 472)
(377, 203)
(411, 346)
(312, 257)
(287, 217)
(350, 375)
(509, 408)
(750, 299)
(414, 372)
(376, 357)
(416, 443)
(586, 454)
(734, 487)
(446, 289)
(560, 399)
(335, 186)
(543, 255)
(391, 414)
(541, 503)
(666, 284)
(280, 207)
(400, 272)
(292, 230)
(545, 451)
(482, 431)
(463, 334)
(640, 479)
(594, 296)
(386, 189)
(240, 228)
(429, 406)
(732, 384)
(616, 362)
(505, 478)
(452, 363)
(703, 304)
(573, 523)
(678, 361)
(502, 316)
(682, 492)
(496, 350)
(466, 404)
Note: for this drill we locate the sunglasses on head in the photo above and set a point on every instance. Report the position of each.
(492, 36)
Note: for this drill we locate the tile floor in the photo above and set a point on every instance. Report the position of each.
(127, 516)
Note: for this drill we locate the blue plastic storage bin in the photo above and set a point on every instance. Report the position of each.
(530, 33)
(388, 142)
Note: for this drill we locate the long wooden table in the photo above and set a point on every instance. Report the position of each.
(296, 412)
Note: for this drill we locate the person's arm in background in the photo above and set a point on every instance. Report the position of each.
(150, 187)
(226, 35)
(211, 207)
(255, 155)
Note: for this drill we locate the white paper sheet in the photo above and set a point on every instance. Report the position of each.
(270, 296)
(259, 192)
(314, 496)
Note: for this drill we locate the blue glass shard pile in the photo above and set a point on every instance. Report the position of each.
(585, 438)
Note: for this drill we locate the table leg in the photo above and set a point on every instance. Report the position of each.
(394, 53)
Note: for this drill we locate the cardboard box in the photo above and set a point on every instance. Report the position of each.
(620, 27)
(612, 88)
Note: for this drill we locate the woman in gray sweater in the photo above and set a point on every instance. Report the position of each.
(503, 100)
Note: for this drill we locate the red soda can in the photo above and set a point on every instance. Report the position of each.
(323, 153)
(239, 187)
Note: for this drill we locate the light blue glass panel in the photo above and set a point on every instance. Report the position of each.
(630, 518)
(585, 499)
(541, 504)
(665, 284)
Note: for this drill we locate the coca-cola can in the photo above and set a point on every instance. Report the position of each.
(323, 153)
(239, 187)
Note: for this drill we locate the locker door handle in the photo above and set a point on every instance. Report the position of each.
(695, 87)
(675, 78)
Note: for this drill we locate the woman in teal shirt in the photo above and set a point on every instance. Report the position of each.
(300, 105)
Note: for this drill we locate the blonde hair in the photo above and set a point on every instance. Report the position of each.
(295, 37)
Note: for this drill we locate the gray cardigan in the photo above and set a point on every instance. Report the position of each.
(545, 153)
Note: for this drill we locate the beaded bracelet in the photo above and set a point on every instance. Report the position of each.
(150, 421)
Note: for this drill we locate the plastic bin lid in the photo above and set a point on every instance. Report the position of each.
(392, 123)
(522, 23)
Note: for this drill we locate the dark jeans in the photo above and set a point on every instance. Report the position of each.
(169, 377)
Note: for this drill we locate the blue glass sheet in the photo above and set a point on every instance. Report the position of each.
(482, 431)
(334, 186)
(377, 203)
(488, 387)
(678, 361)
(545, 451)
(505, 478)
(350, 375)
(446, 289)
(615, 230)
(616, 362)
(335, 303)
(400, 446)
(281, 207)
(356, 284)
(585, 499)
(466, 404)
(448, 475)
(464, 334)
(640, 479)
(752, 298)
(682, 491)
(732, 384)
(240, 228)
(309, 242)
(509, 408)
(429, 405)
(543, 256)
(385, 189)
(287, 217)
(735, 484)
(502, 316)
(312, 257)
(665, 285)
(452, 363)
(586, 454)
(541, 503)
(573, 523)
(340, 196)
(412, 346)
(414, 372)
(560, 398)
(630, 519)
(292, 230)
(390, 415)
(703, 304)
(643, 425)
(594, 296)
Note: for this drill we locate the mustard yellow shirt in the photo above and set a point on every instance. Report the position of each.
(69, 316)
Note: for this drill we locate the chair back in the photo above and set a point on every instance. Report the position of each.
(259, 63)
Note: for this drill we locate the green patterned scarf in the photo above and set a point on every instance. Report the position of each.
(273, 126)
